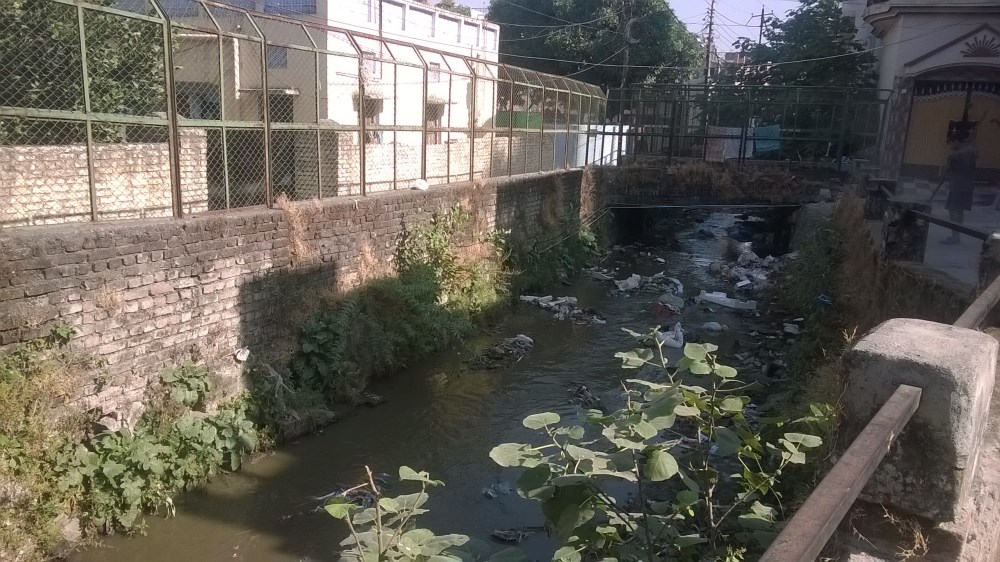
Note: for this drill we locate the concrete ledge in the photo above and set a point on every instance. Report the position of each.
(930, 469)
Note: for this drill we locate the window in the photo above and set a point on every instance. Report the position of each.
(370, 110)
(277, 57)
(290, 7)
(434, 71)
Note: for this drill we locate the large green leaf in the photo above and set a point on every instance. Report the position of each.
(726, 441)
(645, 430)
(438, 543)
(339, 507)
(689, 540)
(660, 465)
(516, 454)
(567, 554)
(538, 421)
(807, 441)
(725, 371)
(635, 358)
(699, 368)
(731, 404)
(407, 473)
(534, 483)
(695, 352)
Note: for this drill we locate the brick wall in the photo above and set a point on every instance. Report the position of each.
(143, 295)
(49, 184)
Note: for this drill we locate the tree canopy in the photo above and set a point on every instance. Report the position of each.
(818, 33)
(586, 39)
(453, 6)
(42, 68)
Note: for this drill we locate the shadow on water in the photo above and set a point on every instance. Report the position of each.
(440, 417)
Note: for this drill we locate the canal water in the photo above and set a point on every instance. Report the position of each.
(442, 417)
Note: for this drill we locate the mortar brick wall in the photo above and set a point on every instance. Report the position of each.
(146, 295)
(49, 184)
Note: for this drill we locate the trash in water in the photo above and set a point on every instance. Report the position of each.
(661, 260)
(722, 299)
(600, 276)
(742, 284)
(582, 395)
(510, 535)
(712, 327)
(629, 284)
(502, 355)
(498, 489)
(823, 299)
(791, 329)
(674, 338)
(672, 302)
(371, 399)
(566, 307)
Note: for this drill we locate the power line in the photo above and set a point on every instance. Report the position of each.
(762, 65)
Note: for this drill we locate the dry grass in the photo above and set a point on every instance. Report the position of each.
(914, 543)
(298, 216)
(109, 300)
(371, 267)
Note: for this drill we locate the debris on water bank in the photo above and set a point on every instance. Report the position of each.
(722, 299)
(748, 271)
(371, 399)
(515, 535)
(502, 355)
(566, 307)
(673, 338)
(498, 489)
(582, 396)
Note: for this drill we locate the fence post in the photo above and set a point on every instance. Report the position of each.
(473, 115)
(91, 178)
(173, 130)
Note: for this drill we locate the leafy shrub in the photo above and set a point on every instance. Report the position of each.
(375, 329)
(187, 384)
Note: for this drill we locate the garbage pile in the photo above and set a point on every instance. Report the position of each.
(582, 396)
(566, 308)
(502, 355)
(749, 272)
(657, 283)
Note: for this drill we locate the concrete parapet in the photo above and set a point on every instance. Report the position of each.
(930, 469)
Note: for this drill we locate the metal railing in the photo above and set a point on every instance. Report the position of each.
(812, 526)
(141, 108)
(738, 123)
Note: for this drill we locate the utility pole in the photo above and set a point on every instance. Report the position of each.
(626, 30)
(760, 34)
(708, 42)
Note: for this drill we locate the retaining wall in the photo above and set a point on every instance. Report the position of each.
(144, 295)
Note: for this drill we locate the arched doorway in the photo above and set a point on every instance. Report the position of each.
(943, 99)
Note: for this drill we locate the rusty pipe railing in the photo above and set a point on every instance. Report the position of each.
(805, 535)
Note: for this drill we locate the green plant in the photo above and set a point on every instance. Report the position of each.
(375, 329)
(119, 475)
(187, 384)
(670, 446)
(387, 529)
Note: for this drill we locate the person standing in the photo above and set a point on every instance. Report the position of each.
(960, 174)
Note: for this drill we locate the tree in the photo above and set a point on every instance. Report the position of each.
(455, 7)
(587, 39)
(818, 33)
(42, 68)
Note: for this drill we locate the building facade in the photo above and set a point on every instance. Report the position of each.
(941, 60)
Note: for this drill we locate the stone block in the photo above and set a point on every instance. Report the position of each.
(931, 467)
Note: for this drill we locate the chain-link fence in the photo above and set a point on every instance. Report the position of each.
(739, 123)
(117, 109)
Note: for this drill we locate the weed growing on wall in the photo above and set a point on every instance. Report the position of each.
(59, 464)
(554, 258)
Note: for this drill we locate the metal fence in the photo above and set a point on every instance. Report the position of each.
(738, 123)
(142, 108)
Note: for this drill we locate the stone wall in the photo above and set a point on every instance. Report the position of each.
(144, 295)
(49, 184)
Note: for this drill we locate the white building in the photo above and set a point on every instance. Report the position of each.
(941, 59)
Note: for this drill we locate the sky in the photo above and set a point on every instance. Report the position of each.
(734, 18)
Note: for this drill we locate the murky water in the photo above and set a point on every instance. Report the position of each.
(440, 417)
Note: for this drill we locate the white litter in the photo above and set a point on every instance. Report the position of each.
(630, 283)
(722, 299)
(421, 185)
(242, 354)
(742, 284)
(673, 302)
(673, 338)
(712, 327)
(791, 329)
